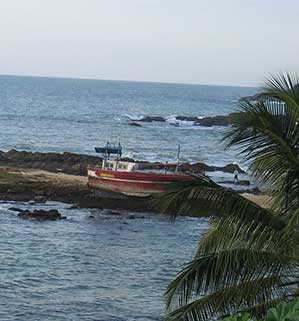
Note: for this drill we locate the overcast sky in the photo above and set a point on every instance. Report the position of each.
(229, 42)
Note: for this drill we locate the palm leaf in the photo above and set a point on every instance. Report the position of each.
(213, 272)
(230, 300)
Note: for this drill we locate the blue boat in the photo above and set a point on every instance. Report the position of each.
(110, 149)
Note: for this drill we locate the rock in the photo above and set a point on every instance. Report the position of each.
(254, 191)
(2, 157)
(191, 168)
(74, 207)
(115, 213)
(41, 215)
(91, 216)
(68, 163)
(214, 121)
(16, 209)
(127, 159)
(150, 119)
(230, 168)
(40, 199)
(131, 124)
(243, 182)
(187, 118)
(202, 167)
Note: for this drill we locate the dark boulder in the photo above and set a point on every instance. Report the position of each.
(187, 118)
(16, 209)
(2, 157)
(243, 182)
(41, 215)
(150, 119)
(214, 121)
(202, 167)
(127, 159)
(230, 168)
(68, 163)
(134, 124)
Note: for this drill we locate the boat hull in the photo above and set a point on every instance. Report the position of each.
(132, 183)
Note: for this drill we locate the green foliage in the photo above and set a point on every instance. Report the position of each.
(284, 312)
(243, 317)
(249, 260)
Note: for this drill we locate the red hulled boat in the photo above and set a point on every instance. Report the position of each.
(125, 177)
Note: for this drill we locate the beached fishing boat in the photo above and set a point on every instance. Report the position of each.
(127, 178)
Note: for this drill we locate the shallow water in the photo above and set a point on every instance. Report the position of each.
(109, 267)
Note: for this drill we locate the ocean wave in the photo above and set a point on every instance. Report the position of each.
(170, 119)
(133, 117)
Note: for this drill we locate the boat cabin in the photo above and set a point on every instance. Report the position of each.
(115, 165)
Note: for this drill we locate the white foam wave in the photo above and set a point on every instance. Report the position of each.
(133, 117)
(173, 120)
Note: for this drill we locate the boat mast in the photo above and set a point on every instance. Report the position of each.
(178, 159)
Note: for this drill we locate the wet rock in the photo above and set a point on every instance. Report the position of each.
(230, 168)
(127, 159)
(187, 118)
(150, 119)
(214, 121)
(74, 207)
(40, 199)
(254, 191)
(41, 215)
(202, 167)
(243, 182)
(16, 209)
(91, 216)
(134, 124)
(174, 124)
(2, 157)
(115, 213)
(68, 163)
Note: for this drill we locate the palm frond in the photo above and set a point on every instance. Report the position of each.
(249, 259)
(216, 271)
(230, 300)
(220, 201)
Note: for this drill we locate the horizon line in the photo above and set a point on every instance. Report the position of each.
(125, 80)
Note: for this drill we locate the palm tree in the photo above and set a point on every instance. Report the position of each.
(249, 259)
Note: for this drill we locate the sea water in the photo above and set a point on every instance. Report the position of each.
(98, 265)
(57, 115)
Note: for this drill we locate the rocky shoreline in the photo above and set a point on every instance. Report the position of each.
(219, 120)
(39, 177)
(76, 164)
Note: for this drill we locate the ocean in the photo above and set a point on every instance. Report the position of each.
(111, 267)
(48, 114)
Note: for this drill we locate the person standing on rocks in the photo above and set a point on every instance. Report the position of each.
(236, 176)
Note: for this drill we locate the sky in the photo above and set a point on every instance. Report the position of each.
(224, 42)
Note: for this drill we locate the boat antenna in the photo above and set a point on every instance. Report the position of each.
(178, 159)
